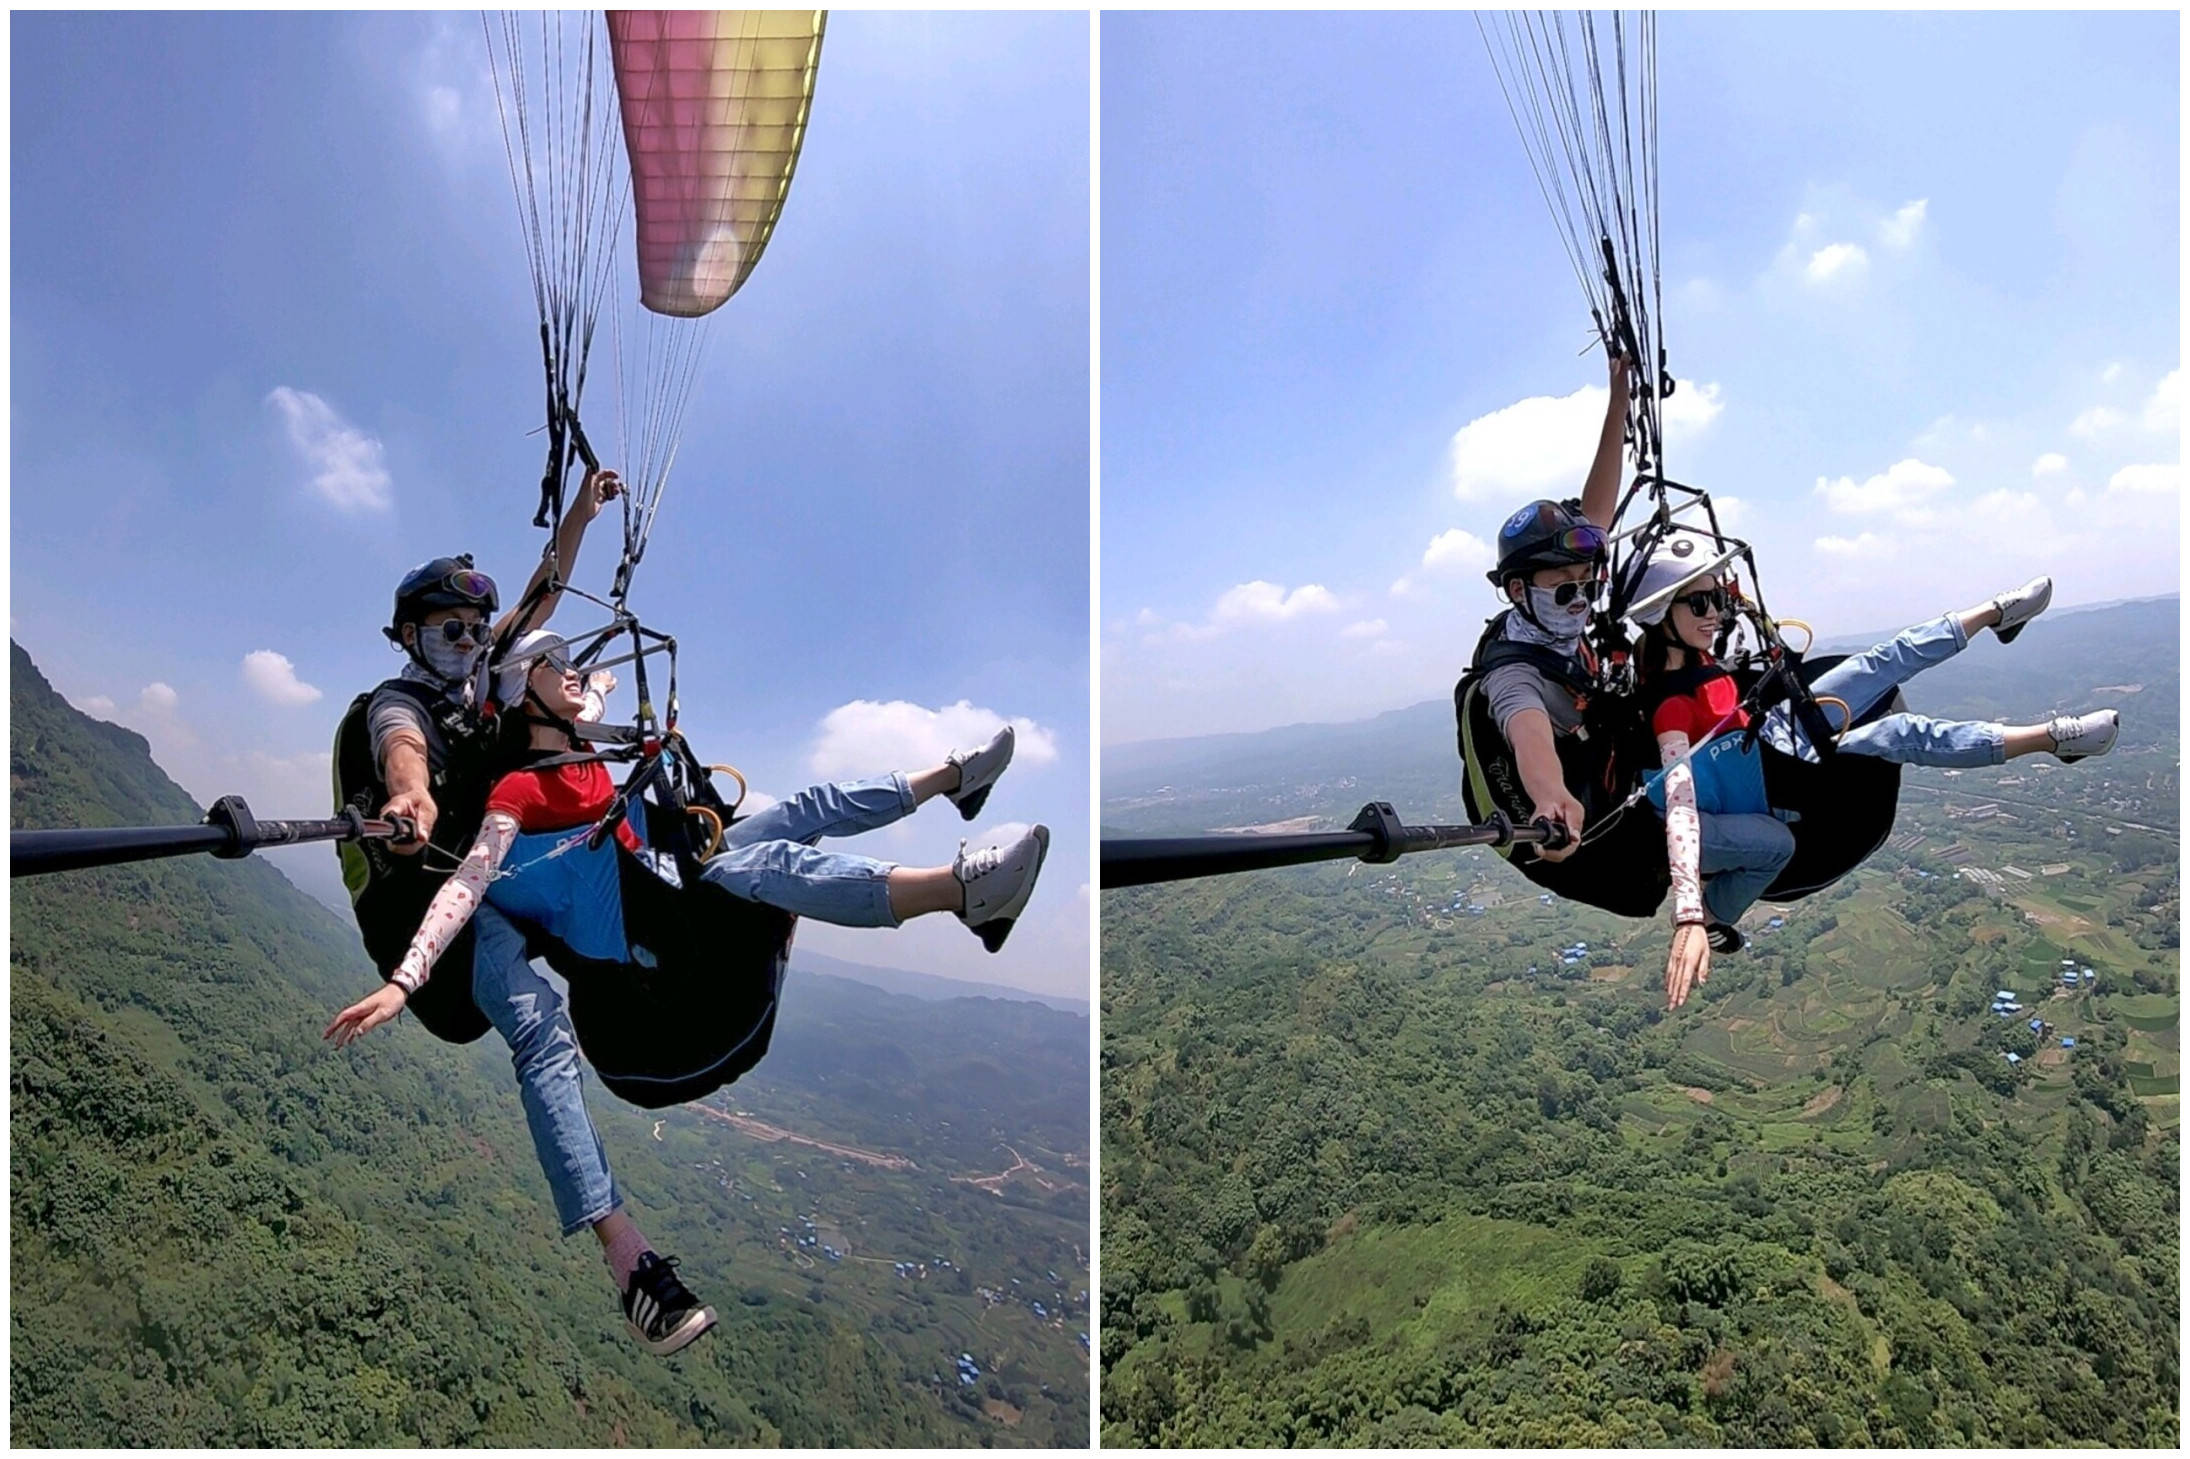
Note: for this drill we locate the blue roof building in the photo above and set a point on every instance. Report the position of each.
(2015, 1058)
(2068, 1043)
(2037, 1025)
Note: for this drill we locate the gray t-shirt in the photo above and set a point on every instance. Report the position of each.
(1512, 688)
(390, 710)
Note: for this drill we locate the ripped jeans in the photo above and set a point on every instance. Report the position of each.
(771, 856)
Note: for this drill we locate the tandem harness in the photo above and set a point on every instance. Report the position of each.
(1620, 865)
(692, 1004)
(389, 893)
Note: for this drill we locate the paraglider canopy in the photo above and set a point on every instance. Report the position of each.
(714, 109)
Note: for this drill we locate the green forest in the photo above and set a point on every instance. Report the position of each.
(1384, 1163)
(224, 1233)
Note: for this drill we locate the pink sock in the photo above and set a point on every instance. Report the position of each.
(623, 1253)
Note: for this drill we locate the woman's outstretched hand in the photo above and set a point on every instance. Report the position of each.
(1688, 965)
(1621, 370)
(600, 488)
(367, 1014)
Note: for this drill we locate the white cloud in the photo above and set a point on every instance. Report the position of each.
(1902, 488)
(1870, 544)
(2095, 422)
(2052, 463)
(2163, 412)
(1253, 605)
(156, 714)
(98, 706)
(453, 86)
(1529, 448)
(1733, 512)
(1366, 628)
(1900, 230)
(345, 462)
(1402, 587)
(1458, 550)
(1261, 602)
(2111, 373)
(2159, 479)
(274, 679)
(1835, 260)
(1693, 405)
(865, 737)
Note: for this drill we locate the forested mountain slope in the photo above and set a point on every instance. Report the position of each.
(1385, 1162)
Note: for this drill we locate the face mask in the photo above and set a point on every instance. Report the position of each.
(1564, 622)
(451, 661)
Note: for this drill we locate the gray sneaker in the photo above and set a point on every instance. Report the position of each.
(2080, 736)
(998, 880)
(2020, 606)
(978, 771)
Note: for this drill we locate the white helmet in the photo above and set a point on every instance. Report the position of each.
(517, 664)
(1681, 557)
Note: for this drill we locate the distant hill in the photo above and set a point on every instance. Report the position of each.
(2063, 661)
(923, 985)
(225, 1233)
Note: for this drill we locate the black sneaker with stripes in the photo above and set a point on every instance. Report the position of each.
(662, 1312)
(1725, 937)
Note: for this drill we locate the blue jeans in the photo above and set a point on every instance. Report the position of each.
(1740, 854)
(527, 1007)
(770, 856)
(1862, 680)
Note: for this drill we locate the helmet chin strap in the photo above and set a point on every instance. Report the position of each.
(546, 715)
(1522, 602)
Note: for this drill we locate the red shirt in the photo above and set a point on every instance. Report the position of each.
(1712, 707)
(559, 798)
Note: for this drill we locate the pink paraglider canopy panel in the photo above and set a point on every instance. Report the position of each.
(714, 110)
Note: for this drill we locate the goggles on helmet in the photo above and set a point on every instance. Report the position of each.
(1580, 541)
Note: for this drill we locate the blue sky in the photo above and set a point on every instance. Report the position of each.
(1921, 288)
(274, 343)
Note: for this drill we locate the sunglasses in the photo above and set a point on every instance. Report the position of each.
(1712, 600)
(555, 663)
(1566, 593)
(457, 629)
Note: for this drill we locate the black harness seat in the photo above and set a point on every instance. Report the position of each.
(1844, 805)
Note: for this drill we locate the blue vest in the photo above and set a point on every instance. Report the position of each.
(1729, 778)
(576, 898)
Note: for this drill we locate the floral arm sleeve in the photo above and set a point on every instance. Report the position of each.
(454, 904)
(1683, 830)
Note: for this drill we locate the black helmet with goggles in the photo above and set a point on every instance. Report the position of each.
(445, 582)
(1547, 534)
